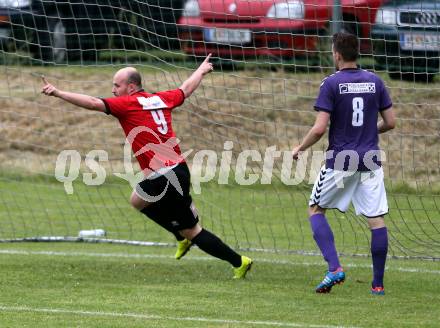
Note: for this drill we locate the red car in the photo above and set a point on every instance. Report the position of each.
(268, 28)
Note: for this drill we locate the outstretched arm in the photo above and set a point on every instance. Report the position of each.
(194, 80)
(77, 99)
(314, 134)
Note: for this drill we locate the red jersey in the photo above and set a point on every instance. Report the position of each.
(146, 121)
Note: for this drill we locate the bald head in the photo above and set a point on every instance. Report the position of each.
(126, 81)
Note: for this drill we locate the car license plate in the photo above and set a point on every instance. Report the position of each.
(227, 36)
(420, 41)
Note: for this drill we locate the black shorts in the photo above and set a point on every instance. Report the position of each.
(173, 210)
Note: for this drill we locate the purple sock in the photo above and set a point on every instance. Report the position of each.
(323, 235)
(379, 250)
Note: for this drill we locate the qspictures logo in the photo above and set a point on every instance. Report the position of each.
(207, 165)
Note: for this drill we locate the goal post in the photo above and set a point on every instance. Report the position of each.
(61, 167)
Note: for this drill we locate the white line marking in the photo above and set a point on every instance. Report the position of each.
(158, 317)
(203, 258)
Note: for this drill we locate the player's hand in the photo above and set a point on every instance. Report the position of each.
(48, 89)
(295, 152)
(206, 67)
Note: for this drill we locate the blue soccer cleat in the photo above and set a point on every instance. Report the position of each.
(331, 278)
(377, 291)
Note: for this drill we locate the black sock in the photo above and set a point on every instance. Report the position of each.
(150, 213)
(211, 244)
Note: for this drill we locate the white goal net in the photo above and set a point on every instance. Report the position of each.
(256, 105)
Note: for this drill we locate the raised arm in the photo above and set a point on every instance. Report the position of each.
(388, 121)
(77, 99)
(194, 80)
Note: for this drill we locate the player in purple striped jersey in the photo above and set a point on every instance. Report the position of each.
(351, 100)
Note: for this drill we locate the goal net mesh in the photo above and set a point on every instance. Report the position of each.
(258, 100)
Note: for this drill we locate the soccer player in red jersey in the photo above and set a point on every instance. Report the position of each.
(163, 195)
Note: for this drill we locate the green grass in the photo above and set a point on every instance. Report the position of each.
(77, 286)
(145, 287)
(102, 285)
(272, 217)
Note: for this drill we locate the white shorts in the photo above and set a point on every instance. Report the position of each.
(336, 189)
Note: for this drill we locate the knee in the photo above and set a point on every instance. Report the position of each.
(315, 209)
(191, 232)
(376, 223)
(137, 202)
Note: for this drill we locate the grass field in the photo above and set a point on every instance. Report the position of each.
(102, 285)
(77, 285)
(272, 217)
